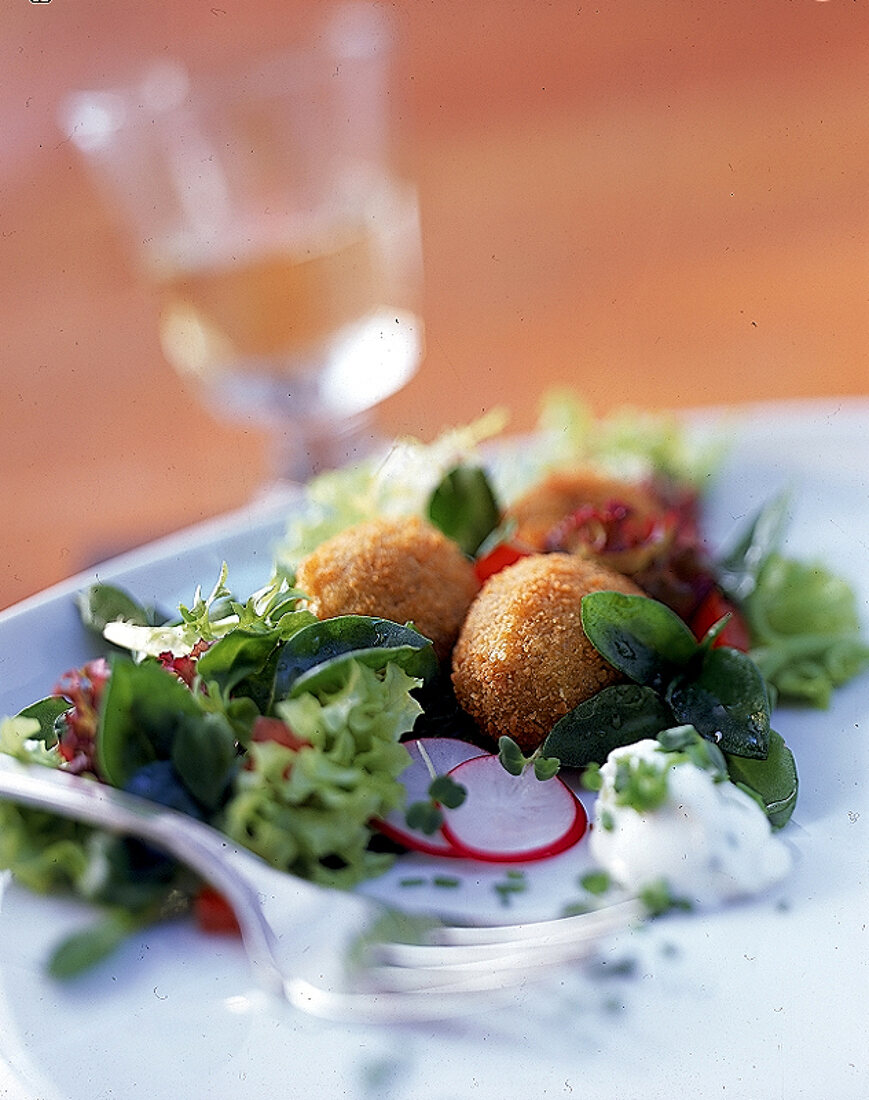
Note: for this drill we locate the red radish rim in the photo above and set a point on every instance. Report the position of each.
(566, 839)
(416, 842)
(437, 844)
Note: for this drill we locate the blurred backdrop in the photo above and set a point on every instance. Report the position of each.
(655, 204)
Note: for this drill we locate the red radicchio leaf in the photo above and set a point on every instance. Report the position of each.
(84, 688)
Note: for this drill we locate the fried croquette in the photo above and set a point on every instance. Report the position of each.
(400, 569)
(542, 508)
(522, 660)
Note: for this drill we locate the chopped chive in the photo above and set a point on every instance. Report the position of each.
(595, 882)
(514, 884)
(576, 909)
(447, 881)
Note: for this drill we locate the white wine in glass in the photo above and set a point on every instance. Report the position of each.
(284, 252)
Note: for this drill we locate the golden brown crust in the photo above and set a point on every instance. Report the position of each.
(522, 660)
(400, 569)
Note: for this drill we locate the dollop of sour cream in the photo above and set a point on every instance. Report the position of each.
(708, 840)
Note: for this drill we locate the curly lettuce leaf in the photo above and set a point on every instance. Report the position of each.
(25, 736)
(45, 853)
(805, 630)
(210, 618)
(633, 442)
(401, 483)
(307, 809)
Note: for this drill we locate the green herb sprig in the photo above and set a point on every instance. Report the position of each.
(513, 760)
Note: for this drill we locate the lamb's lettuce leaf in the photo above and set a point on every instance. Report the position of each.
(805, 630)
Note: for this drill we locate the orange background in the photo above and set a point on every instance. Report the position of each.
(663, 204)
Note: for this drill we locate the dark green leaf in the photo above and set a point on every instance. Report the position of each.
(616, 716)
(141, 709)
(773, 779)
(86, 948)
(726, 702)
(46, 712)
(464, 508)
(424, 816)
(204, 756)
(104, 603)
(319, 653)
(236, 656)
(641, 637)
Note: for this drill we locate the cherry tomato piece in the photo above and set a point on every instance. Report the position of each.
(273, 729)
(213, 913)
(713, 608)
(504, 554)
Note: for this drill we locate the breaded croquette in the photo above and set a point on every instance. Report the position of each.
(522, 660)
(400, 569)
(543, 507)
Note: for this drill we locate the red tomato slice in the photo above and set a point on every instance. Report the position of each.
(504, 554)
(273, 729)
(214, 914)
(713, 608)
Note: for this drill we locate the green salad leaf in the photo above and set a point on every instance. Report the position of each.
(30, 736)
(626, 440)
(774, 780)
(102, 603)
(805, 630)
(464, 507)
(307, 810)
(144, 705)
(802, 618)
(89, 946)
(400, 483)
(320, 652)
(44, 852)
(718, 691)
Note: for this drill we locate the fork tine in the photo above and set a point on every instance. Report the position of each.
(493, 965)
(413, 992)
(595, 922)
(425, 1005)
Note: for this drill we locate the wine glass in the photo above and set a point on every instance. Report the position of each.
(284, 249)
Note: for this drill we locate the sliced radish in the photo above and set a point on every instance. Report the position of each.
(511, 818)
(444, 753)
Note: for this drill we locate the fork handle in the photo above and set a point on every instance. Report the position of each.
(198, 846)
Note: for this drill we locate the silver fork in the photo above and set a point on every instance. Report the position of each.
(330, 953)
